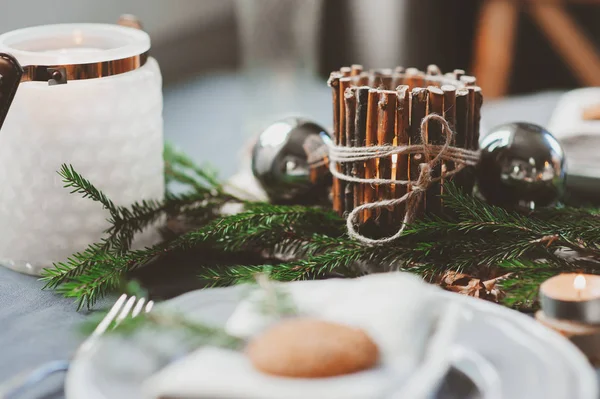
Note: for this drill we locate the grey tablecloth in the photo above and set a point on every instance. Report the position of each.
(38, 326)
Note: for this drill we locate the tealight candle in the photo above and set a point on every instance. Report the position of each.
(87, 95)
(572, 296)
(571, 306)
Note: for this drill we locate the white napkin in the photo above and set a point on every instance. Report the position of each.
(567, 119)
(397, 310)
(220, 373)
(577, 135)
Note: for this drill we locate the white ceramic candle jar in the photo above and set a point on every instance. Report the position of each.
(106, 121)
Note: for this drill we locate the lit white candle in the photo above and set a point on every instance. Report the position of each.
(579, 284)
(109, 128)
(571, 306)
(572, 287)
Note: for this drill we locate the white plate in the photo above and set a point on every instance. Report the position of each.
(507, 354)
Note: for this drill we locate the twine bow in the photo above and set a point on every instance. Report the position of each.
(340, 154)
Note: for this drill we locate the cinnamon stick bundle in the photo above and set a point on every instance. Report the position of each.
(469, 176)
(370, 140)
(334, 83)
(435, 137)
(397, 77)
(450, 116)
(468, 80)
(458, 73)
(462, 115)
(417, 113)
(344, 84)
(414, 78)
(433, 69)
(385, 106)
(356, 69)
(476, 118)
(402, 138)
(462, 122)
(350, 105)
(363, 79)
(382, 78)
(360, 133)
(433, 72)
(385, 136)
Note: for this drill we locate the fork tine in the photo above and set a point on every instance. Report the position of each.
(125, 310)
(138, 307)
(110, 316)
(149, 306)
(117, 313)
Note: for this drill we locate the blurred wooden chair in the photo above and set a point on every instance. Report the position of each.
(497, 31)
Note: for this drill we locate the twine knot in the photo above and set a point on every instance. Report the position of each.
(424, 180)
(341, 154)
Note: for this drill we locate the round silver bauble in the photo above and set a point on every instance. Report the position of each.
(522, 166)
(280, 162)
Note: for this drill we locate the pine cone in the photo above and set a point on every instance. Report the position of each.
(471, 286)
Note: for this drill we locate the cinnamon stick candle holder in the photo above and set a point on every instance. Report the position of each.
(387, 107)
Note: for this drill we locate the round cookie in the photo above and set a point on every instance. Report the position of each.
(311, 348)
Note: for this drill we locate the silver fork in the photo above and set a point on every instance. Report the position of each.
(124, 306)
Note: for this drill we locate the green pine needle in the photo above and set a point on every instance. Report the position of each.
(300, 242)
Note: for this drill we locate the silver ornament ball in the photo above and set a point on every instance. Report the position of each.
(280, 162)
(522, 166)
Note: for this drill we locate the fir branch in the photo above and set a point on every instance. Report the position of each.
(523, 285)
(80, 185)
(479, 235)
(104, 272)
(328, 255)
(179, 167)
(75, 265)
(91, 273)
(473, 236)
(235, 232)
(126, 222)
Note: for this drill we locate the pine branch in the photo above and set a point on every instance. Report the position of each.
(327, 254)
(473, 236)
(240, 231)
(180, 168)
(79, 185)
(126, 222)
(73, 266)
(104, 273)
(101, 267)
(90, 275)
(480, 235)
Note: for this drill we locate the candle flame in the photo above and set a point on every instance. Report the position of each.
(579, 283)
(394, 158)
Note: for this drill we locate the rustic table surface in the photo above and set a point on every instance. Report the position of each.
(38, 326)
